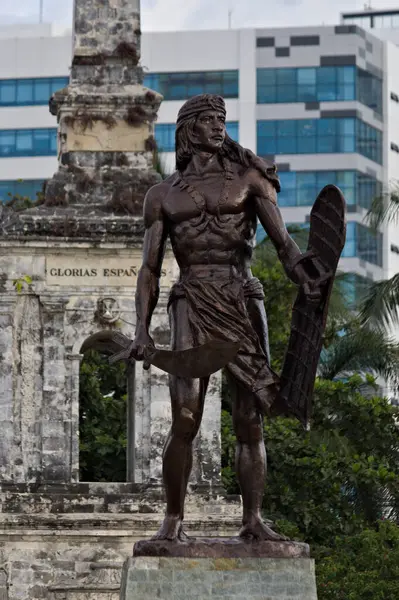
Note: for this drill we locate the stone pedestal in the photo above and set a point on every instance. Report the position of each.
(150, 578)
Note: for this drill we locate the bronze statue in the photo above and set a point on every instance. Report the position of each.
(209, 209)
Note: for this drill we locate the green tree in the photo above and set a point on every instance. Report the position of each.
(102, 412)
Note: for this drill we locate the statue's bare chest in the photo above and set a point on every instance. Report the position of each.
(211, 195)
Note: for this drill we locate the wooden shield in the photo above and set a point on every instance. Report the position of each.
(326, 242)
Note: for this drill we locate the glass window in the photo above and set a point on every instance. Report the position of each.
(28, 188)
(232, 130)
(25, 91)
(42, 91)
(28, 142)
(24, 143)
(323, 84)
(8, 92)
(180, 86)
(7, 143)
(350, 244)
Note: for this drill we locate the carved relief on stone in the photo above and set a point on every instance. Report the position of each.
(108, 310)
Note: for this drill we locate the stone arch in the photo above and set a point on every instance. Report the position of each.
(102, 341)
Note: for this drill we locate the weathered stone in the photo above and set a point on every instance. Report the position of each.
(219, 578)
(221, 548)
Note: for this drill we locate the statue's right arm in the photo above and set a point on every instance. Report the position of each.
(147, 292)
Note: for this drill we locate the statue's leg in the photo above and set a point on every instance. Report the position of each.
(250, 463)
(250, 450)
(187, 397)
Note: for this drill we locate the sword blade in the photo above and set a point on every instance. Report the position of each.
(193, 363)
(197, 362)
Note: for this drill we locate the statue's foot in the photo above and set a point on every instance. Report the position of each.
(171, 529)
(255, 529)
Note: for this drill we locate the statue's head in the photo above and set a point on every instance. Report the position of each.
(201, 126)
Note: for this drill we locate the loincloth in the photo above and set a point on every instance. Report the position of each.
(217, 308)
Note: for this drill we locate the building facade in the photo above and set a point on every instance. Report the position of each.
(320, 101)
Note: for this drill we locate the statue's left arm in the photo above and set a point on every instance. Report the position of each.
(271, 220)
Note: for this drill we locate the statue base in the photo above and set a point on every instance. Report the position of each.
(219, 568)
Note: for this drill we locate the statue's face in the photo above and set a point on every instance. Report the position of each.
(210, 130)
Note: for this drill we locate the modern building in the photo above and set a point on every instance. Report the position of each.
(323, 102)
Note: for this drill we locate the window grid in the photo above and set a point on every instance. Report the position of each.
(319, 136)
(28, 142)
(28, 188)
(180, 86)
(29, 92)
(165, 134)
(300, 188)
(319, 84)
(363, 243)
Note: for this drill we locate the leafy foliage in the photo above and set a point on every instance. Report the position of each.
(364, 566)
(337, 478)
(102, 411)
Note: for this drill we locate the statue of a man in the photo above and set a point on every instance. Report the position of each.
(209, 209)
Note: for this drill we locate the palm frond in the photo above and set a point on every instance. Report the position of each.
(384, 209)
(362, 351)
(380, 307)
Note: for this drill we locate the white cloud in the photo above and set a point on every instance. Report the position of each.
(200, 14)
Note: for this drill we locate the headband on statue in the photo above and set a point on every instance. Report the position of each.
(198, 104)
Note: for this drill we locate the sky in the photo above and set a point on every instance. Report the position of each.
(169, 15)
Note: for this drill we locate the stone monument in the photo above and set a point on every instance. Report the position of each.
(61, 538)
(209, 209)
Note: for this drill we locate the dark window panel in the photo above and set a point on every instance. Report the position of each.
(338, 60)
(305, 40)
(265, 42)
(345, 29)
(282, 52)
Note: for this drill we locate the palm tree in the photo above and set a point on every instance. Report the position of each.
(380, 307)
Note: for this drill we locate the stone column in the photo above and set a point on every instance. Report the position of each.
(10, 459)
(56, 417)
(105, 115)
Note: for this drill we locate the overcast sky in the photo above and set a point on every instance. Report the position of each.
(164, 15)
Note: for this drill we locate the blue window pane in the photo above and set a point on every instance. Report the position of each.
(232, 130)
(287, 145)
(306, 76)
(327, 75)
(306, 127)
(326, 93)
(307, 93)
(179, 86)
(327, 126)
(286, 77)
(8, 92)
(25, 91)
(58, 84)
(42, 91)
(267, 128)
(324, 84)
(266, 77)
(288, 180)
(346, 74)
(53, 141)
(266, 95)
(7, 143)
(350, 244)
(24, 142)
(287, 93)
(306, 145)
(326, 144)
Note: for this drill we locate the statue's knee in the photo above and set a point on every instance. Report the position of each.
(185, 424)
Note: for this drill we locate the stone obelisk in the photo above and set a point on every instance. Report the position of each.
(105, 117)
